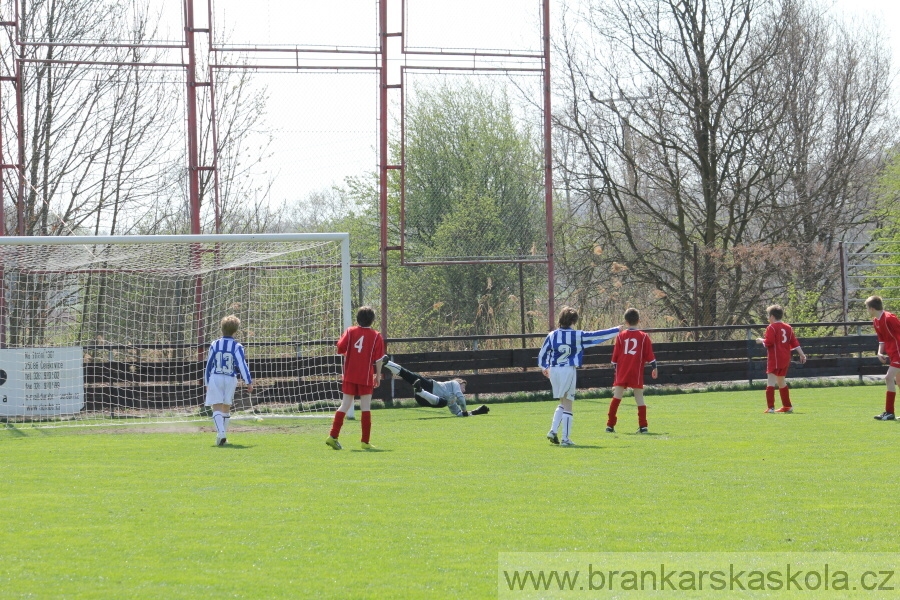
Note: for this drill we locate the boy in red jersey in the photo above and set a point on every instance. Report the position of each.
(779, 341)
(631, 351)
(887, 328)
(360, 345)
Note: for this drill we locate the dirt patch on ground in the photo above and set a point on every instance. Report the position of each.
(169, 428)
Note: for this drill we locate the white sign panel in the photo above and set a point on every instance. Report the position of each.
(41, 381)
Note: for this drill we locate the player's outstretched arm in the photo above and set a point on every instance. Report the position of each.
(593, 338)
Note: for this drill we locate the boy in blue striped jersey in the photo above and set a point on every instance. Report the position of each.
(560, 355)
(225, 364)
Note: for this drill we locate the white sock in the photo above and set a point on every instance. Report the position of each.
(430, 397)
(350, 413)
(557, 418)
(219, 422)
(392, 367)
(225, 422)
(567, 425)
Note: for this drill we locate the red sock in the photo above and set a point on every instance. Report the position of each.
(337, 424)
(785, 393)
(366, 422)
(642, 416)
(770, 396)
(613, 409)
(889, 402)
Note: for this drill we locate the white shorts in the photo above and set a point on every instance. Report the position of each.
(562, 379)
(220, 389)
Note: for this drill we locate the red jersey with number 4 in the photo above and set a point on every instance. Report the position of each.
(779, 342)
(361, 347)
(887, 328)
(631, 351)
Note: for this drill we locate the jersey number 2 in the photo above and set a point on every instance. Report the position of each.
(359, 344)
(631, 346)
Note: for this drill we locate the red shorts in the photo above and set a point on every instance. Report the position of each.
(635, 385)
(777, 372)
(356, 389)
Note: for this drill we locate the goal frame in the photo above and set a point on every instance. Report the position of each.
(342, 238)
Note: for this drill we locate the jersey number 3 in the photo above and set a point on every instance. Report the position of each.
(784, 336)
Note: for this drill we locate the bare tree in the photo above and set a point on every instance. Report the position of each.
(731, 126)
(242, 147)
(838, 123)
(99, 142)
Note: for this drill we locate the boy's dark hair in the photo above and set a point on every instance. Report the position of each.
(776, 312)
(230, 325)
(632, 316)
(875, 302)
(568, 317)
(365, 316)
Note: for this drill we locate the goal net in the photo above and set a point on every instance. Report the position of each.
(110, 330)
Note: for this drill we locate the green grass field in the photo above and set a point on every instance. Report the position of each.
(277, 514)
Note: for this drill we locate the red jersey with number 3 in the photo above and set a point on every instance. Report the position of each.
(361, 347)
(779, 342)
(631, 351)
(887, 328)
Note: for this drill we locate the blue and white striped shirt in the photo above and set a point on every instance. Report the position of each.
(565, 347)
(226, 357)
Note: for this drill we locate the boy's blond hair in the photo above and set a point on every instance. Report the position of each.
(230, 325)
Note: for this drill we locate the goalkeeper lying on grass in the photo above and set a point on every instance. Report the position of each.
(436, 394)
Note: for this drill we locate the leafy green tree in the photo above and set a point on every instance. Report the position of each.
(474, 190)
(885, 277)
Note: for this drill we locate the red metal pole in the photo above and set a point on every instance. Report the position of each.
(193, 158)
(403, 156)
(383, 157)
(548, 171)
(2, 199)
(194, 172)
(212, 118)
(2, 232)
(20, 122)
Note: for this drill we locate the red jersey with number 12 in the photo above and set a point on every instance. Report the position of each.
(631, 351)
(361, 347)
(887, 328)
(779, 342)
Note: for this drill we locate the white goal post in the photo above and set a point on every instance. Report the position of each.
(115, 329)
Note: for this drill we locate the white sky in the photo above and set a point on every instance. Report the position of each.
(324, 125)
(887, 12)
